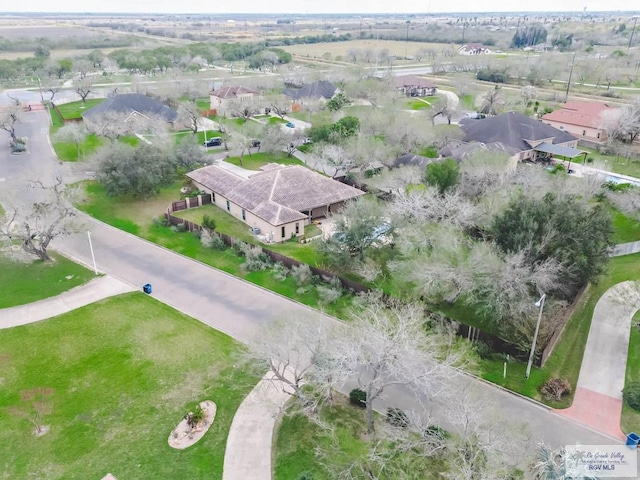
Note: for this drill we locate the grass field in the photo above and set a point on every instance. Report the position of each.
(22, 283)
(74, 110)
(340, 50)
(625, 229)
(124, 372)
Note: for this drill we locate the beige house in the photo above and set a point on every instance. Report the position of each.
(581, 119)
(277, 202)
(221, 98)
(474, 49)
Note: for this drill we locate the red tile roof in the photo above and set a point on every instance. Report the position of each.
(582, 114)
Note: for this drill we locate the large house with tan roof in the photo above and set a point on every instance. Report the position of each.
(581, 119)
(278, 201)
(219, 99)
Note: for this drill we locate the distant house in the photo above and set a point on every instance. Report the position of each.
(413, 86)
(582, 119)
(322, 89)
(219, 99)
(132, 107)
(278, 201)
(473, 49)
(523, 137)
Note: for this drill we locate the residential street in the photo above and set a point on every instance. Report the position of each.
(215, 298)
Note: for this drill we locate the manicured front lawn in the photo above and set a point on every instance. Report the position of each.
(631, 418)
(418, 104)
(124, 372)
(566, 359)
(22, 283)
(260, 159)
(225, 223)
(74, 110)
(68, 152)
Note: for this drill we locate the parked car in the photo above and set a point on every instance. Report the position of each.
(290, 125)
(307, 141)
(213, 142)
(255, 143)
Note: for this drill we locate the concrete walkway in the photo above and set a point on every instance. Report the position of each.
(598, 398)
(625, 249)
(93, 291)
(249, 444)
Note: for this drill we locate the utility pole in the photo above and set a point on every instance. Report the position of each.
(635, 21)
(573, 62)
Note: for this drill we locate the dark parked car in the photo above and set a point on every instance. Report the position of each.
(255, 143)
(213, 142)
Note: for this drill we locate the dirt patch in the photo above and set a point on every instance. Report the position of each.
(184, 436)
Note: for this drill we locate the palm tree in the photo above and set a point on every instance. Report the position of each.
(550, 465)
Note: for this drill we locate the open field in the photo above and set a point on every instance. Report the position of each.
(15, 32)
(124, 371)
(332, 51)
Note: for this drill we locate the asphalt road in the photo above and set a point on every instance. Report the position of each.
(217, 299)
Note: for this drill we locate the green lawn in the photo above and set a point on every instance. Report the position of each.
(74, 110)
(418, 104)
(625, 229)
(124, 373)
(225, 223)
(631, 418)
(260, 159)
(297, 439)
(68, 152)
(612, 162)
(22, 283)
(566, 359)
(276, 120)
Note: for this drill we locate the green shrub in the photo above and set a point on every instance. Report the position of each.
(217, 243)
(305, 476)
(358, 397)
(483, 349)
(397, 417)
(208, 223)
(631, 394)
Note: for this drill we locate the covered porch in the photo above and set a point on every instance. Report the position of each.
(545, 152)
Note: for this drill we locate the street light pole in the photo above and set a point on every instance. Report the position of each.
(635, 20)
(93, 257)
(540, 304)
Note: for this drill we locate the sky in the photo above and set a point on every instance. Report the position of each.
(313, 6)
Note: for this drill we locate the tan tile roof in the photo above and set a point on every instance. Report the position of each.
(277, 195)
(582, 114)
(233, 92)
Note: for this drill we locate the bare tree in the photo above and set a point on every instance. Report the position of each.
(289, 349)
(111, 125)
(9, 117)
(387, 345)
(336, 158)
(279, 104)
(44, 222)
(84, 87)
(440, 107)
(189, 115)
(492, 101)
(244, 109)
(36, 404)
(623, 123)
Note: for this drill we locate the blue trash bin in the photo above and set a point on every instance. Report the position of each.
(633, 440)
(147, 288)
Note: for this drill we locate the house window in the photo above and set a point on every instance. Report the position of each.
(213, 197)
(283, 232)
(297, 228)
(584, 132)
(244, 216)
(228, 206)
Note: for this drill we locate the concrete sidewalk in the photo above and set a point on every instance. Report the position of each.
(93, 291)
(598, 399)
(249, 444)
(625, 249)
